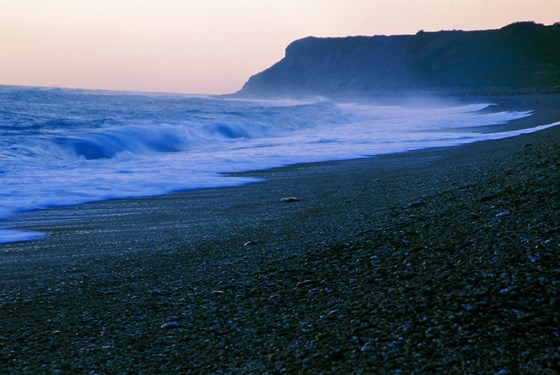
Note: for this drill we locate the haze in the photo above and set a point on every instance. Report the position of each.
(210, 46)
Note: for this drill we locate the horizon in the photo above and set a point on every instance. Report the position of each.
(210, 48)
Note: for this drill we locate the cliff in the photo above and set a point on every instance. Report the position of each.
(521, 57)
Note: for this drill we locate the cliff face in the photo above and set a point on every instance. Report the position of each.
(522, 57)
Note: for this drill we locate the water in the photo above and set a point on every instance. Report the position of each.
(65, 147)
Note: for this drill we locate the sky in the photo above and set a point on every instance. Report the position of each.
(209, 46)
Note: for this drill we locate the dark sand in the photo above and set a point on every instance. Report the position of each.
(444, 260)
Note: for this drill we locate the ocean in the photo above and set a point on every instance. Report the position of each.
(65, 147)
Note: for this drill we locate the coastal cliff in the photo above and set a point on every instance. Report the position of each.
(519, 58)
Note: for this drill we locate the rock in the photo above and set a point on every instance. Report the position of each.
(252, 243)
(305, 283)
(417, 203)
(488, 197)
(289, 200)
(366, 347)
(170, 325)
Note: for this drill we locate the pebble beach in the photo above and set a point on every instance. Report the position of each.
(433, 261)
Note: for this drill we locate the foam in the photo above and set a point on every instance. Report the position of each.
(104, 147)
(12, 235)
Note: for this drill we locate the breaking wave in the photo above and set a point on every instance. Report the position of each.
(64, 147)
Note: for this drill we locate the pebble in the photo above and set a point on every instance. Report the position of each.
(306, 283)
(488, 197)
(170, 325)
(289, 200)
(366, 347)
(252, 243)
(416, 203)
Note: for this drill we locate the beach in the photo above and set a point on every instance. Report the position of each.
(440, 260)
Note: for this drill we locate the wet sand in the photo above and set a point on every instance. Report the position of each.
(443, 260)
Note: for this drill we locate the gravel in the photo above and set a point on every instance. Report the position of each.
(441, 261)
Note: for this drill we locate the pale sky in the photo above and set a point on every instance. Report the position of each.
(209, 46)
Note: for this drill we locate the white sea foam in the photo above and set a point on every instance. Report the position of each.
(12, 235)
(64, 148)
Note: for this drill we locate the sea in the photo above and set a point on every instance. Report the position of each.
(61, 147)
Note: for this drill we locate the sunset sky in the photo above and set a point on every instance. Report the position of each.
(209, 46)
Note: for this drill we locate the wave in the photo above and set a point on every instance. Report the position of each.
(100, 139)
(110, 146)
(110, 143)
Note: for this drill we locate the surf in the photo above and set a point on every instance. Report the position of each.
(65, 147)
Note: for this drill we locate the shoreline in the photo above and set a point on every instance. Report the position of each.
(431, 260)
(544, 114)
